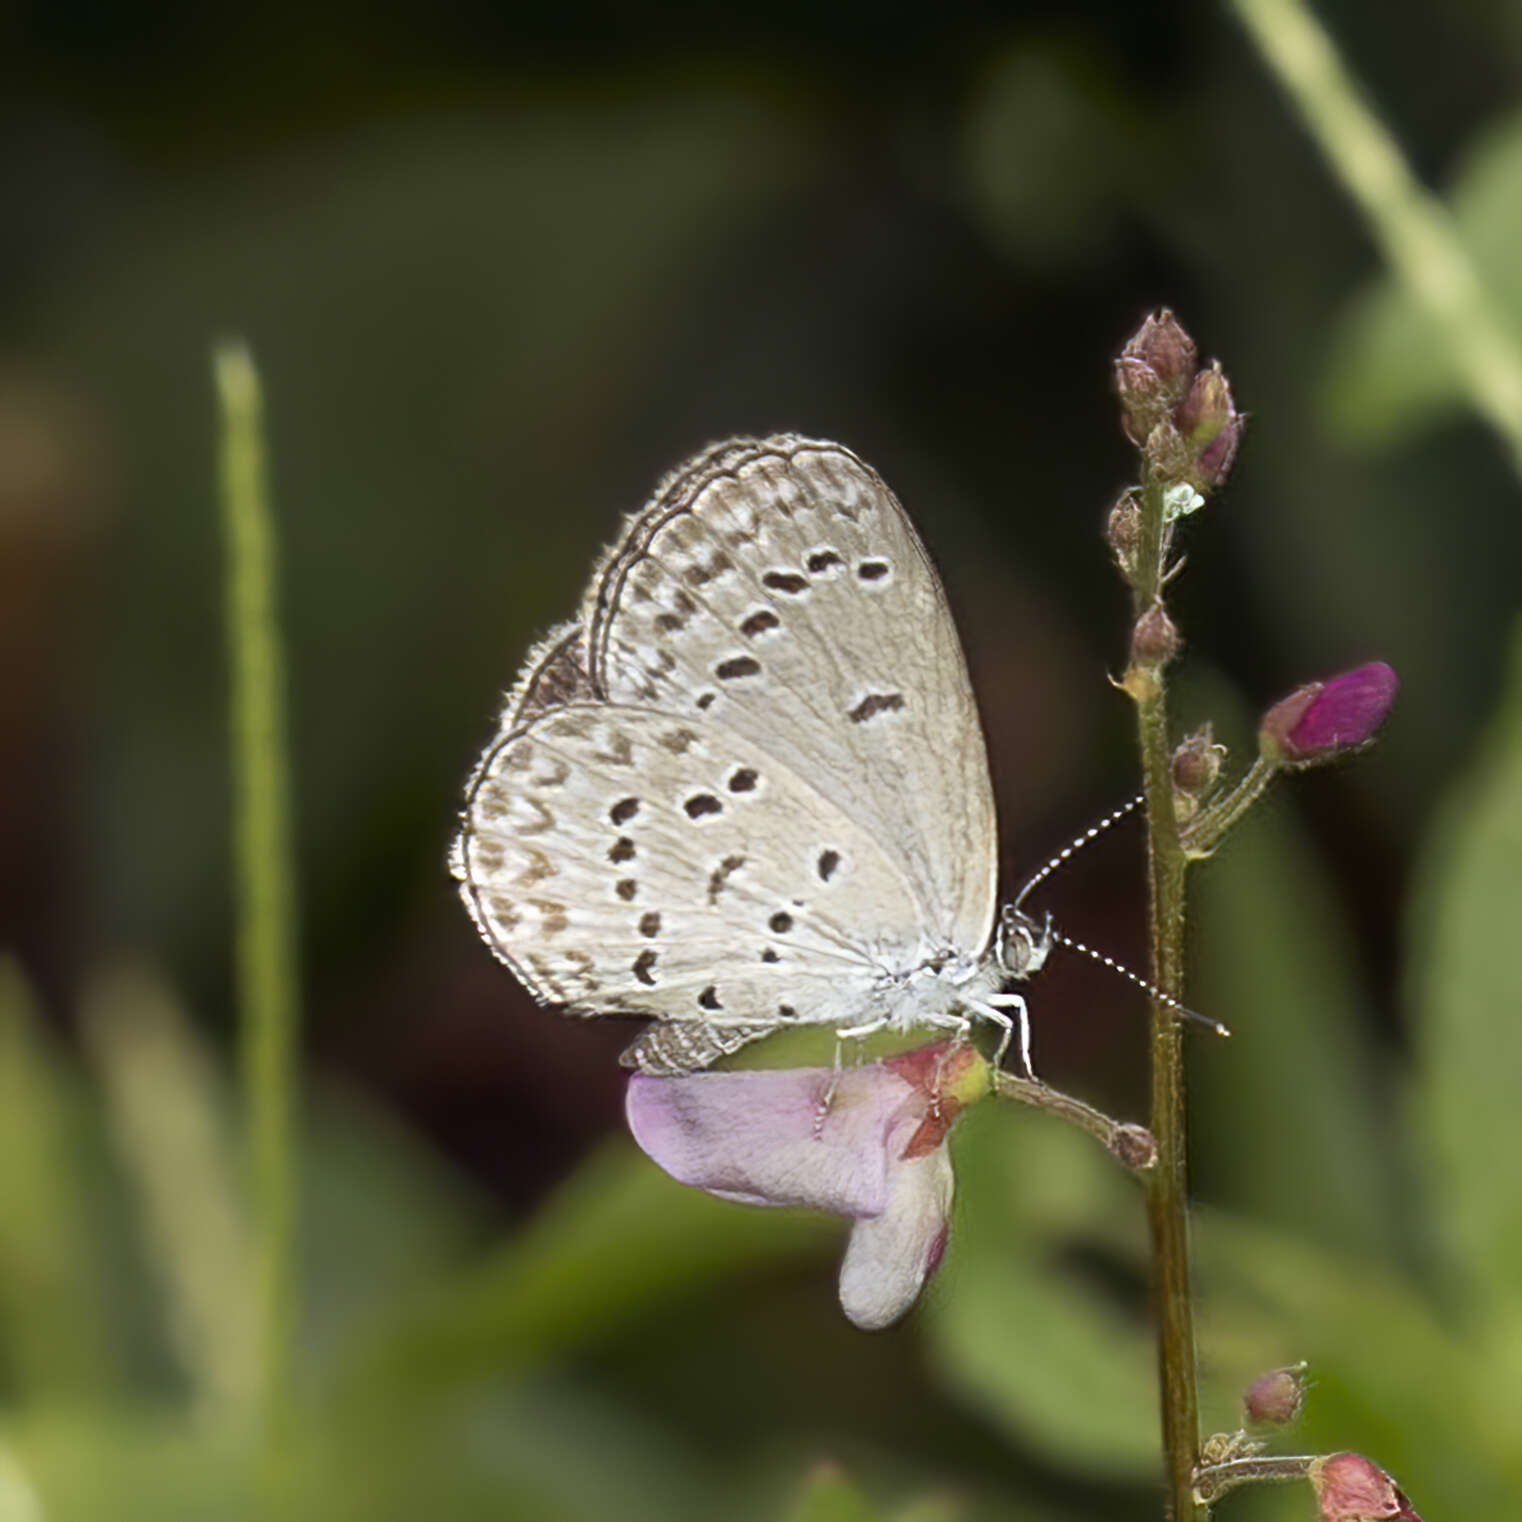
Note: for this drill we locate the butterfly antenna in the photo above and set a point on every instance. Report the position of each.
(1073, 847)
(1181, 1010)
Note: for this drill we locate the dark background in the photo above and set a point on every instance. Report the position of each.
(501, 268)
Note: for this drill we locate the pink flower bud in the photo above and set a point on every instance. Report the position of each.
(1162, 345)
(1197, 763)
(1351, 1489)
(1153, 374)
(1155, 640)
(1274, 1399)
(1212, 427)
(1327, 719)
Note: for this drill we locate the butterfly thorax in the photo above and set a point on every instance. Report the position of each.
(936, 988)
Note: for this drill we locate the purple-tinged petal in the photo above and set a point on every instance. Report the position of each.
(1350, 1488)
(1325, 719)
(769, 1138)
(890, 1256)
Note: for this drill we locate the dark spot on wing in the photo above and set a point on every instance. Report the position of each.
(759, 623)
(822, 560)
(626, 888)
(709, 998)
(737, 666)
(875, 703)
(700, 804)
(781, 922)
(785, 581)
(873, 570)
(621, 850)
(624, 810)
(828, 861)
(642, 968)
(650, 923)
(721, 874)
(743, 781)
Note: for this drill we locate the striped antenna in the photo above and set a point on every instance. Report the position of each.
(1181, 1010)
(1074, 846)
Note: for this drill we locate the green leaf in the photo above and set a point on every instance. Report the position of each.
(53, 1327)
(166, 1109)
(1022, 1321)
(1466, 994)
(619, 1239)
(830, 1497)
(1388, 1378)
(1388, 370)
(1286, 1113)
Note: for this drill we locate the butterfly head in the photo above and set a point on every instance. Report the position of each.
(1023, 943)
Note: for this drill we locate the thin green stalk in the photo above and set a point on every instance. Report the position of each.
(1167, 1183)
(1410, 224)
(1214, 1480)
(264, 879)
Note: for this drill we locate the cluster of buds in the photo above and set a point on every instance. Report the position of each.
(1181, 416)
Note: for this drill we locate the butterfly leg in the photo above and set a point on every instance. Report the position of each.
(993, 1010)
(848, 1033)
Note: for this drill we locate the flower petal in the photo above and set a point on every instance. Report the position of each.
(768, 1137)
(890, 1256)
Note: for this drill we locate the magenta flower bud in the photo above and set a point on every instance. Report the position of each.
(1351, 1489)
(1274, 1399)
(1328, 719)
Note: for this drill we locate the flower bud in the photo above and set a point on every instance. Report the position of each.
(1351, 1489)
(1153, 374)
(1327, 719)
(1211, 426)
(1196, 767)
(1123, 532)
(1274, 1399)
(1155, 640)
(1168, 453)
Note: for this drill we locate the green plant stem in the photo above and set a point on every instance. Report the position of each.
(1204, 834)
(1411, 225)
(1167, 1183)
(263, 879)
(1129, 1144)
(1213, 1480)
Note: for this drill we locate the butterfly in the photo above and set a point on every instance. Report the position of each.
(747, 787)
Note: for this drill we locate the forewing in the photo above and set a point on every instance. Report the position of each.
(623, 861)
(776, 590)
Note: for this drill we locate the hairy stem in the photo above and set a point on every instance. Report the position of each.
(1167, 1183)
(1204, 834)
(1214, 1480)
(1411, 225)
(1129, 1144)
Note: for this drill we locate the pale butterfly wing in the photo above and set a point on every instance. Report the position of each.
(777, 588)
(752, 783)
(631, 862)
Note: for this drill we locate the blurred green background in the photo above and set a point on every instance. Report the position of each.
(501, 268)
